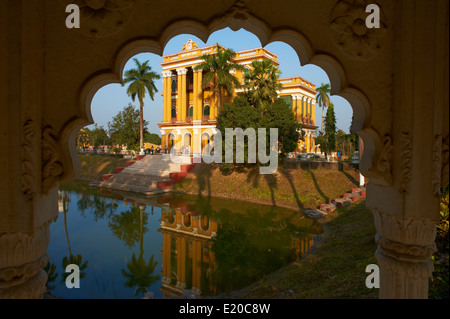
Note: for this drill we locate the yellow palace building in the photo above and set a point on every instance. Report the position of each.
(190, 112)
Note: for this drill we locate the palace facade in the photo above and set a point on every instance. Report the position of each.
(190, 112)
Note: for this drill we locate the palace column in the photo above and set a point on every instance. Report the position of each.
(198, 95)
(294, 106)
(302, 116)
(313, 112)
(181, 100)
(213, 105)
(167, 95)
(166, 257)
(196, 266)
(308, 145)
(181, 262)
(309, 111)
(195, 98)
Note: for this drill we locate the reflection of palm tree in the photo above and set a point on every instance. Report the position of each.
(50, 269)
(78, 259)
(140, 273)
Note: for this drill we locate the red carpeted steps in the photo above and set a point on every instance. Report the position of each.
(333, 204)
(148, 174)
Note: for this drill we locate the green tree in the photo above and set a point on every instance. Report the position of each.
(242, 114)
(330, 129)
(98, 136)
(125, 127)
(322, 98)
(152, 138)
(262, 82)
(279, 115)
(141, 80)
(216, 69)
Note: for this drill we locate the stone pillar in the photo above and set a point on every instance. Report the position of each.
(294, 106)
(181, 265)
(313, 112)
(308, 142)
(199, 95)
(184, 100)
(181, 100)
(407, 174)
(196, 266)
(167, 95)
(32, 162)
(166, 255)
(302, 112)
(309, 111)
(195, 96)
(213, 104)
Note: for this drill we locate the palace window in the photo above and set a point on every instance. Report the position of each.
(206, 110)
(174, 85)
(174, 112)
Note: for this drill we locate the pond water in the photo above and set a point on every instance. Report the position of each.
(126, 244)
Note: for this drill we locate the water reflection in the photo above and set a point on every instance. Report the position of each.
(169, 244)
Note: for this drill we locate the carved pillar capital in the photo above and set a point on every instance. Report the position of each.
(405, 246)
(182, 71)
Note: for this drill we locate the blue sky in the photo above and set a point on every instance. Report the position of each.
(111, 99)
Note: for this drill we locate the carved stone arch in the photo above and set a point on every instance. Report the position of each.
(401, 117)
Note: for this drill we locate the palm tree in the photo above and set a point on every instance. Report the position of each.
(322, 98)
(141, 80)
(217, 69)
(263, 81)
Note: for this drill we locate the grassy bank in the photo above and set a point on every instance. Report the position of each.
(333, 269)
(293, 188)
(94, 166)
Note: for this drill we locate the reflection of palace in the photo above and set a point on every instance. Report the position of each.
(190, 112)
(303, 244)
(188, 261)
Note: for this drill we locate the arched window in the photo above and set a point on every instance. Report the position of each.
(191, 111)
(174, 112)
(246, 73)
(206, 110)
(174, 85)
